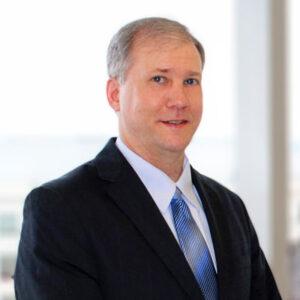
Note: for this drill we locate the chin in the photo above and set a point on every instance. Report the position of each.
(177, 146)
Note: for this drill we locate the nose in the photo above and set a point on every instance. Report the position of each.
(177, 96)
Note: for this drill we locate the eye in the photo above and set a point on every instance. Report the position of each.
(191, 81)
(158, 79)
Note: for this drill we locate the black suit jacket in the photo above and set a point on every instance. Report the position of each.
(96, 233)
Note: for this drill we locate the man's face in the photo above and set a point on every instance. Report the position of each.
(160, 102)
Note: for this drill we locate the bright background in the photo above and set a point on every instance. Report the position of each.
(54, 114)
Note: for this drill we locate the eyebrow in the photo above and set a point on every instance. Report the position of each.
(161, 70)
(190, 73)
(193, 73)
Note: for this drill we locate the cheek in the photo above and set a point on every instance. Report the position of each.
(147, 102)
(197, 105)
(197, 112)
(200, 112)
(129, 103)
(200, 109)
(140, 102)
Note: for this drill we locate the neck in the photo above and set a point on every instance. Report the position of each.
(171, 163)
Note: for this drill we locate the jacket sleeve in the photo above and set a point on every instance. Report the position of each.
(53, 259)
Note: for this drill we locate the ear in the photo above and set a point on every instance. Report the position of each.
(113, 93)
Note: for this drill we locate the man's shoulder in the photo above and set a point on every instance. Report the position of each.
(211, 184)
(64, 189)
(79, 176)
(221, 201)
(71, 184)
(216, 192)
(86, 174)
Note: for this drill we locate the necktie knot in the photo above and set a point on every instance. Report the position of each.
(179, 206)
(177, 195)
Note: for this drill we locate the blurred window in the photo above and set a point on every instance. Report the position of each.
(294, 146)
(8, 223)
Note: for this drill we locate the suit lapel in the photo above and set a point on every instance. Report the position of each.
(216, 223)
(131, 196)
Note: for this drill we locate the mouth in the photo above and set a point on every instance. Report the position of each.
(175, 123)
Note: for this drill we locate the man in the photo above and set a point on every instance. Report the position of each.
(138, 222)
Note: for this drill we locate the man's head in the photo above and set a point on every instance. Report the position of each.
(119, 57)
(155, 86)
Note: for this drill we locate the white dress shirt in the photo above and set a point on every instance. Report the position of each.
(162, 189)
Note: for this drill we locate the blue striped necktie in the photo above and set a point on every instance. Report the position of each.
(194, 247)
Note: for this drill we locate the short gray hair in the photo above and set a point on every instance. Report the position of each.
(118, 53)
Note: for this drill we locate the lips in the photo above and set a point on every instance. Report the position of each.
(175, 123)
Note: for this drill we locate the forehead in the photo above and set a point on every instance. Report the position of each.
(161, 49)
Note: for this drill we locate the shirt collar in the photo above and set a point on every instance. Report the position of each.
(161, 187)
